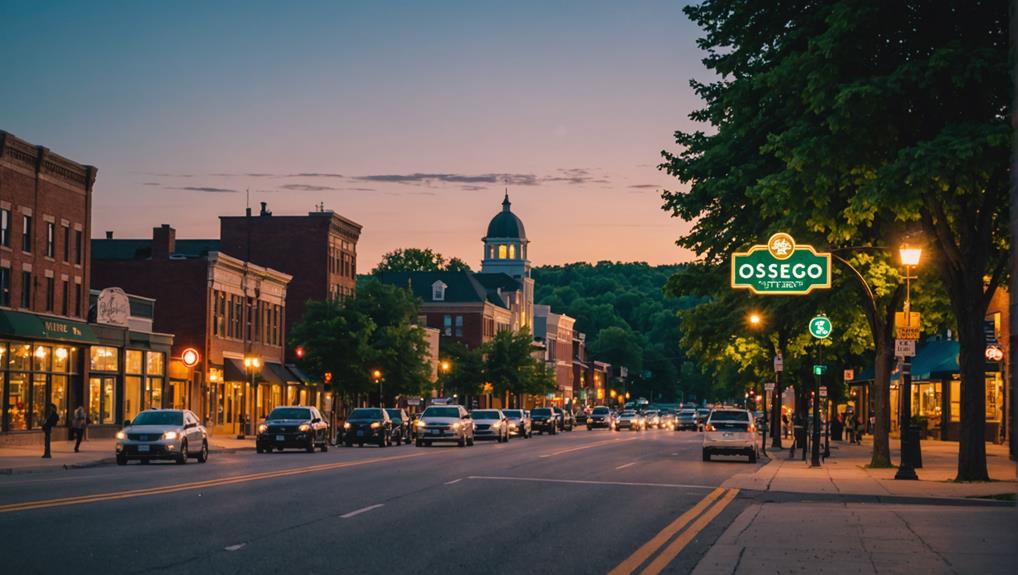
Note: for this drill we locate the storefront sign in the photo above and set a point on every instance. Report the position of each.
(112, 307)
(31, 326)
(994, 353)
(190, 357)
(904, 348)
(849, 374)
(781, 268)
(906, 327)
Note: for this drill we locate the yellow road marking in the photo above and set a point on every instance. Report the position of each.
(587, 446)
(230, 480)
(649, 548)
(676, 547)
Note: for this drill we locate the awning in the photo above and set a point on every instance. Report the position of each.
(31, 326)
(277, 374)
(301, 376)
(269, 372)
(934, 360)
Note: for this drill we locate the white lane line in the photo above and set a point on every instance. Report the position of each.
(588, 482)
(236, 547)
(454, 481)
(626, 465)
(588, 446)
(362, 510)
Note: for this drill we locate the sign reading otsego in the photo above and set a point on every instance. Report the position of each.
(781, 268)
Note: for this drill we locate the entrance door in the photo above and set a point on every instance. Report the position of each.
(228, 396)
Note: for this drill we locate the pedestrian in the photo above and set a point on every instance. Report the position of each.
(784, 423)
(850, 423)
(49, 421)
(78, 423)
(858, 430)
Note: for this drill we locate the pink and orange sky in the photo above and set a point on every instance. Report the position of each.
(407, 117)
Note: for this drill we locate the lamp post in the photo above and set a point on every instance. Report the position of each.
(377, 376)
(910, 257)
(444, 367)
(251, 363)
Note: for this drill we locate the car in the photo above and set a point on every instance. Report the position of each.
(299, 426)
(519, 422)
(565, 419)
(701, 417)
(445, 423)
(544, 420)
(600, 417)
(490, 424)
(686, 419)
(581, 417)
(632, 420)
(401, 425)
(730, 432)
(668, 419)
(653, 418)
(162, 434)
(368, 425)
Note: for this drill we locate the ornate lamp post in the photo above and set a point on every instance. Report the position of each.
(910, 257)
(377, 376)
(251, 364)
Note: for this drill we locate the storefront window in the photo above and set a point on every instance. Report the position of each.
(61, 359)
(153, 393)
(38, 400)
(58, 395)
(21, 357)
(994, 393)
(95, 399)
(955, 414)
(926, 400)
(132, 361)
(154, 361)
(17, 400)
(177, 394)
(41, 357)
(276, 396)
(132, 396)
(291, 395)
(103, 358)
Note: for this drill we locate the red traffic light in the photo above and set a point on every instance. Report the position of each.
(300, 351)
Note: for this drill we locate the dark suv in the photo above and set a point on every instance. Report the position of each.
(544, 420)
(565, 419)
(600, 417)
(368, 425)
(401, 425)
(298, 426)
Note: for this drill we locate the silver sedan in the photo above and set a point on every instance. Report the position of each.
(173, 434)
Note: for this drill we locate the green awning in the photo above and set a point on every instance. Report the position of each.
(31, 326)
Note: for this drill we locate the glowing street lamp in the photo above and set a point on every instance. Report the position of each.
(910, 256)
(377, 376)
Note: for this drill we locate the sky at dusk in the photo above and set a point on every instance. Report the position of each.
(409, 118)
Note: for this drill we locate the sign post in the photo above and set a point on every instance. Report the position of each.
(779, 366)
(820, 327)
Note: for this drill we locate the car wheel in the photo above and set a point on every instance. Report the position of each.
(279, 449)
(203, 455)
(470, 441)
(463, 441)
(507, 436)
(420, 443)
(381, 440)
(752, 456)
(121, 459)
(427, 443)
(259, 449)
(706, 454)
(348, 443)
(325, 446)
(182, 455)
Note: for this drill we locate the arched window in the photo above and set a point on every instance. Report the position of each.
(491, 252)
(501, 251)
(512, 252)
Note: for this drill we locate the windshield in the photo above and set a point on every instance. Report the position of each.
(600, 411)
(517, 413)
(729, 416)
(366, 413)
(394, 414)
(441, 412)
(490, 414)
(628, 413)
(159, 418)
(687, 412)
(542, 411)
(290, 413)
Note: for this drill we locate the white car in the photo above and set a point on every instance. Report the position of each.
(730, 432)
(445, 423)
(162, 434)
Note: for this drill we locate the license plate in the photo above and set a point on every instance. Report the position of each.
(143, 449)
(435, 432)
(727, 435)
(360, 433)
(280, 438)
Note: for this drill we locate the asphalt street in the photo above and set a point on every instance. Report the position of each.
(579, 502)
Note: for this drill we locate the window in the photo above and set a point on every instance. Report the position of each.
(502, 252)
(26, 233)
(447, 325)
(64, 297)
(512, 252)
(5, 287)
(438, 291)
(51, 239)
(77, 299)
(459, 326)
(133, 361)
(102, 358)
(50, 288)
(67, 244)
(26, 289)
(77, 247)
(5, 228)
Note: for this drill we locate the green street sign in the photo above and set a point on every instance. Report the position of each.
(819, 369)
(781, 268)
(820, 327)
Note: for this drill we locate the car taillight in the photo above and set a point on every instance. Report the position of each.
(751, 429)
(710, 427)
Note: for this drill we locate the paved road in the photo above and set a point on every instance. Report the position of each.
(580, 502)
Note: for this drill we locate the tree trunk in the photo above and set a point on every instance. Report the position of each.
(972, 364)
(1012, 365)
(882, 361)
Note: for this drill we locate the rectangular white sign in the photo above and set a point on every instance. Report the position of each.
(904, 348)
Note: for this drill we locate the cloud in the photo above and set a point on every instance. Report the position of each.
(151, 184)
(306, 188)
(418, 178)
(206, 189)
(644, 186)
(315, 175)
(472, 188)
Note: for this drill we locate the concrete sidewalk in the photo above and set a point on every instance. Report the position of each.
(93, 452)
(846, 472)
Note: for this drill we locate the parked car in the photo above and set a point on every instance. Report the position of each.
(162, 434)
(686, 419)
(445, 423)
(401, 425)
(581, 416)
(730, 432)
(653, 418)
(544, 420)
(368, 425)
(701, 417)
(632, 420)
(519, 422)
(490, 424)
(565, 419)
(600, 417)
(300, 427)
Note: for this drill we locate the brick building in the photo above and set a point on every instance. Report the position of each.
(233, 312)
(318, 250)
(45, 206)
(555, 331)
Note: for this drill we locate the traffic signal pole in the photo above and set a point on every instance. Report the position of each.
(815, 442)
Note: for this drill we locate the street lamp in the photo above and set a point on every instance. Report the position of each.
(756, 321)
(444, 367)
(377, 376)
(251, 364)
(910, 256)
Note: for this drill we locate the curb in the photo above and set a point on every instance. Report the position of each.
(37, 469)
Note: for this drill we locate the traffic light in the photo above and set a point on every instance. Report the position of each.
(300, 352)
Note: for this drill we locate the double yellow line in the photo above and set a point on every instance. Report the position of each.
(230, 480)
(696, 519)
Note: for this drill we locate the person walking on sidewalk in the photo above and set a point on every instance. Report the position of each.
(858, 430)
(78, 423)
(48, 423)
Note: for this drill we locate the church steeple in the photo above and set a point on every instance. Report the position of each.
(506, 203)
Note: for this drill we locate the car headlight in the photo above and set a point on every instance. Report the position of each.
(170, 435)
(121, 435)
(375, 425)
(346, 425)
(421, 424)
(455, 426)
(304, 428)
(263, 428)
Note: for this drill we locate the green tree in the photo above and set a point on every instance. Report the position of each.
(853, 124)
(418, 260)
(466, 370)
(507, 360)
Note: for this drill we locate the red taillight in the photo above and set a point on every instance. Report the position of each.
(709, 427)
(751, 429)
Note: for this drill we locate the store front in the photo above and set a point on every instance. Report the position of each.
(40, 363)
